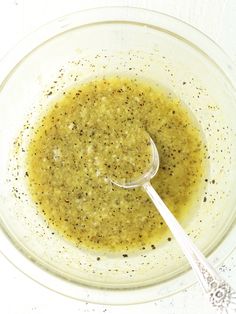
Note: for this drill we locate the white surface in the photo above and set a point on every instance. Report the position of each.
(217, 18)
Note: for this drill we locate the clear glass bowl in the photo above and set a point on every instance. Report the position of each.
(122, 41)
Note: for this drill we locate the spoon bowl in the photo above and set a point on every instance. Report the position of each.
(147, 176)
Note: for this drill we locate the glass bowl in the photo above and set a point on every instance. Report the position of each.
(95, 43)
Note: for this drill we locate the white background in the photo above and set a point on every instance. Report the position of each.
(216, 18)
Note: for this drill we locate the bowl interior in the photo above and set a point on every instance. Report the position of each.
(102, 49)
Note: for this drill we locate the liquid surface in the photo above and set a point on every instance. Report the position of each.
(100, 130)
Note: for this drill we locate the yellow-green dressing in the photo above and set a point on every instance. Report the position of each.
(100, 130)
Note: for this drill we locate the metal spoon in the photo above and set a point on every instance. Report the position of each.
(220, 295)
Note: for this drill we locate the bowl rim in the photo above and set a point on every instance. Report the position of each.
(26, 46)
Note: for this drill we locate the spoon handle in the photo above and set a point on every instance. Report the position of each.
(221, 296)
